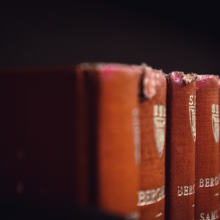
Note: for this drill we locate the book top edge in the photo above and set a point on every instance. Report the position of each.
(153, 79)
(207, 77)
(183, 78)
(110, 67)
(204, 80)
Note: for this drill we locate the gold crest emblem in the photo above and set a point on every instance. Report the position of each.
(215, 122)
(159, 127)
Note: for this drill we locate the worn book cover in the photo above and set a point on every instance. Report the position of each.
(180, 154)
(207, 148)
(152, 108)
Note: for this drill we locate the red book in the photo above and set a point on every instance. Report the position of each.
(180, 154)
(152, 107)
(113, 123)
(207, 148)
(219, 131)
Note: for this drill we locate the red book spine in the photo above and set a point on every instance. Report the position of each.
(219, 149)
(180, 154)
(113, 136)
(151, 195)
(207, 148)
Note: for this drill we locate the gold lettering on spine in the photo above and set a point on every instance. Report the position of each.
(192, 115)
(151, 196)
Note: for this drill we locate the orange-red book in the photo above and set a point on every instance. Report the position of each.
(152, 107)
(113, 122)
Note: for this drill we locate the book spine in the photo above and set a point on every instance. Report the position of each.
(152, 108)
(180, 154)
(219, 149)
(207, 148)
(116, 139)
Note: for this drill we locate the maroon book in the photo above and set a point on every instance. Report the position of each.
(42, 117)
(219, 132)
(180, 154)
(207, 148)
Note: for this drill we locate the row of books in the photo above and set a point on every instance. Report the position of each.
(127, 139)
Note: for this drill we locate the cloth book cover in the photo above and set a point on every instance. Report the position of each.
(152, 108)
(207, 148)
(181, 137)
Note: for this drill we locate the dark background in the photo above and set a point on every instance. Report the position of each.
(172, 36)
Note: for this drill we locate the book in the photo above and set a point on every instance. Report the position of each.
(152, 108)
(114, 136)
(43, 120)
(207, 148)
(180, 154)
(219, 131)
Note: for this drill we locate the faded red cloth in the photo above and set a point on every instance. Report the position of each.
(112, 92)
(180, 157)
(153, 131)
(207, 148)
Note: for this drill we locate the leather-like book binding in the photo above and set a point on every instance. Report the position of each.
(151, 195)
(207, 148)
(180, 154)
